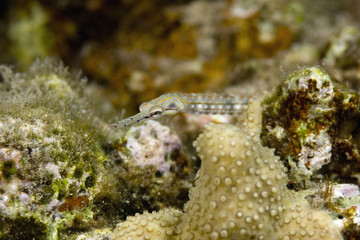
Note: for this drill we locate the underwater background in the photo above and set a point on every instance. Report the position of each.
(287, 167)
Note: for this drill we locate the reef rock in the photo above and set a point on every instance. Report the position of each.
(151, 144)
(51, 156)
(311, 121)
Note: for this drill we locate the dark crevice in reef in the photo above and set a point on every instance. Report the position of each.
(21, 228)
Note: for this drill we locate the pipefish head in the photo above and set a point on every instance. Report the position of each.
(165, 105)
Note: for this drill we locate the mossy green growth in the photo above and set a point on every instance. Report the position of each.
(60, 186)
(303, 119)
(51, 154)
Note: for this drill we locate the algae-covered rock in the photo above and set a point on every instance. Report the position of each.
(52, 161)
(311, 120)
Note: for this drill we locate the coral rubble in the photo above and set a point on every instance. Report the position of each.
(311, 120)
(151, 144)
(155, 164)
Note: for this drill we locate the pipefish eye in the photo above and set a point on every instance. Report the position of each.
(156, 111)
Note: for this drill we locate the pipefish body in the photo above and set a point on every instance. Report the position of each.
(196, 103)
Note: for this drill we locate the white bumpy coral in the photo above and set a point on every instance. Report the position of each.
(240, 194)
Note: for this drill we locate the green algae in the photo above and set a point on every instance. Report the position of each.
(46, 119)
